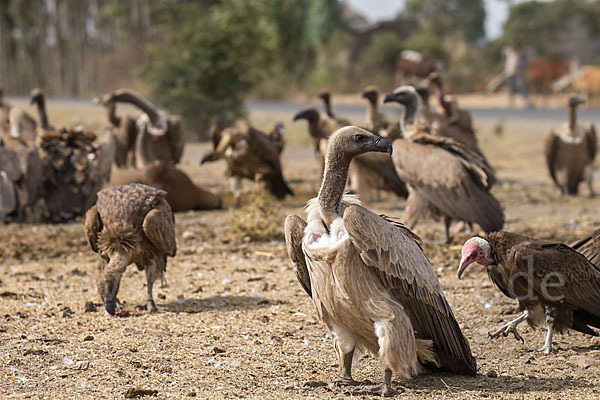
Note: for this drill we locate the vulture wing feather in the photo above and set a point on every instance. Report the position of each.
(294, 230)
(592, 141)
(589, 246)
(159, 228)
(93, 226)
(551, 148)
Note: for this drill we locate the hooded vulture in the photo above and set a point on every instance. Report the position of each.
(74, 165)
(130, 224)
(570, 153)
(369, 279)
(159, 135)
(453, 180)
(251, 155)
(326, 97)
(552, 282)
(589, 246)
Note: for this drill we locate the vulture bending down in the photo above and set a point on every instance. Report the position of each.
(445, 177)
(326, 97)
(182, 193)
(124, 131)
(589, 246)
(570, 153)
(130, 224)
(369, 279)
(551, 281)
(251, 155)
(159, 135)
(75, 166)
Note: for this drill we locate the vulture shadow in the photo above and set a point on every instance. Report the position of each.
(585, 349)
(218, 303)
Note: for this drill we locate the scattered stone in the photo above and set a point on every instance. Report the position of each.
(482, 331)
(188, 234)
(78, 272)
(67, 361)
(35, 352)
(583, 362)
(192, 394)
(8, 294)
(89, 307)
(66, 312)
(314, 384)
(82, 365)
(264, 319)
(492, 374)
(133, 393)
(217, 350)
(88, 338)
(198, 290)
(161, 296)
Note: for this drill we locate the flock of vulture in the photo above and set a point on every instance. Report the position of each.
(369, 279)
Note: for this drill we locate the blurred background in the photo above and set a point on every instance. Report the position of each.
(204, 59)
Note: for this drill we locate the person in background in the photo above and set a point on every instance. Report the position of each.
(514, 67)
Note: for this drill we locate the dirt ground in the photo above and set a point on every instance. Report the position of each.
(234, 322)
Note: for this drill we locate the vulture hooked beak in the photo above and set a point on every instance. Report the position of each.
(464, 263)
(111, 279)
(298, 116)
(382, 145)
(390, 97)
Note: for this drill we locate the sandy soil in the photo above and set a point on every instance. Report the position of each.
(233, 321)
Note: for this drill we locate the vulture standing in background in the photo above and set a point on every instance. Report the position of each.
(252, 155)
(130, 224)
(319, 128)
(182, 193)
(276, 136)
(74, 166)
(589, 246)
(552, 282)
(124, 131)
(570, 153)
(159, 135)
(445, 177)
(375, 120)
(369, 279)
(326, 97)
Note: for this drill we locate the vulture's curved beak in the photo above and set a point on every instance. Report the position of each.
(464, 263)
(383, 145)
(298, 116)
(390, 97)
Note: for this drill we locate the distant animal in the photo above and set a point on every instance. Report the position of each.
(319, 128)
(444, 176)
(375, 120)
(369, 279)
(326, 97)
(570, 153)
(552, 282)
(412, 64)
(249, 154)
(159, 137)
(276, 136)
(124, 130)
(541, 72)
(130, 224)
(587, 81)
(16, 123)
(182, 193)
(589, 246)
(75, 166)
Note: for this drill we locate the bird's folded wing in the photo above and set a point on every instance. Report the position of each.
(589, 246)
(93, 226)
(592, 140)
(159, 229)
(294, 228)
(550, 149)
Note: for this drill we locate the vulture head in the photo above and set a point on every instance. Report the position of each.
(575, 101)
(309, 114)
(325, 96)
(408, 97)
(37, 96)
(475, 250)
(278, 131)
(371, 93)
(110, 278)
(423, 93)
(352, 141)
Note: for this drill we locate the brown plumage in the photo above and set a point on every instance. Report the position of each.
(159, 137)
(249, 154)
(130, 224)
(589, 246)
(552, 282)
(369, 279)
(319, 128)
(570, 153)
(326, 97)
(124, 131)
(454, 180)
(276, 136)
(182, 193)
(375, 120)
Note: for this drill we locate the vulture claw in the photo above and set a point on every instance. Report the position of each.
(511, 327)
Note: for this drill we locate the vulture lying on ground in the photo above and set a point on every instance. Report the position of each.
(551, 281)
(369, 279)
(375, 120)
(182, 193)
(124, 131)
(326, 97)
(445, 178)
(159, 135)
(130, 224)
(589, 246)
(570, 153)
(75, 166)
(252, 155)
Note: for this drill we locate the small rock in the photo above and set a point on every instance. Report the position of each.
(492, 374)
(82, 365)
(133, 393)
(123, 352)
(89, 307)
(482, 331)
(198, 290)
(66, 313)
(88, 338)
(192, 394)
(583, 362)
(188, 234)
(67, 361)
(264, 319)
(265, 287)
(161, 296)
(314, 384)
(217, 350)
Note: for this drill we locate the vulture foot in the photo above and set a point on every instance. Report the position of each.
(546, 349)
(382, 390)
(151, 306)
(511, 327)
(345, 381)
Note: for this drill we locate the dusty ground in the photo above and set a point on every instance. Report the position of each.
(233, 321)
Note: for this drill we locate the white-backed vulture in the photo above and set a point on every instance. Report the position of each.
(249, 154)
(159, 137)
(319, 129)
(445, 173)
(375, 120)
(570, 153)
(326, 97)
(124, 130)
(369, 279)
(552, 282)
(589, 246)
(75, 166)
(130, 224)
(182, 193)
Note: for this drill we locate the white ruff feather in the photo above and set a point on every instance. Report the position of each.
(143, 122)
(567, 136)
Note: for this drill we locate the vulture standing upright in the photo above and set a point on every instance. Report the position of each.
(252, 155)
(130, 224)
(124, 131)
(326, 97)
(159, 135)
(375, 120)
(552, 282)
(369, 279)
(445, 177)
(276, 136)
(75, 166)
(589, 246)
(319, 128)
(570, 153)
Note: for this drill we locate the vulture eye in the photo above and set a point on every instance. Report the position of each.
(360, 138)
(473, 255)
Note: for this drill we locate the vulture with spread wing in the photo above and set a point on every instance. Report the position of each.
(130, 224)
(445, 177)
(369, 279)
(570, 153)
(589, 246)
(552, 282)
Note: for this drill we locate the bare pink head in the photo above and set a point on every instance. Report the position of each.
(475, 250)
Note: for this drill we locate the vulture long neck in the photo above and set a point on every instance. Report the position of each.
(572, 118)
(41, 106)
(410, 110)
(371, 108)
(142, 104)
(111, 109)
(439, 90)
(328, 110)
(337, 163)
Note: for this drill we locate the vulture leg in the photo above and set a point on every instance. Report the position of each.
(589, 176)
(346, 377)
(150, 304)
(547, 349)
(511, 327)
(236, 185)
(447, 222)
